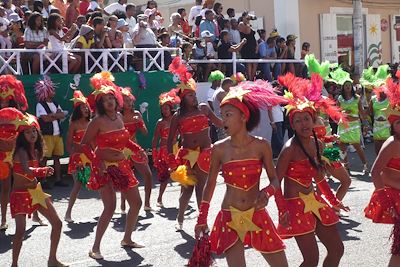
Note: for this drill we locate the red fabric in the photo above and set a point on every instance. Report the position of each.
(326, 190)
(336, 164)
(138, 155)
(193, 124)
(185, 26)
(303, 223)
(320, 131)
(266, 241)
(201, 255)
(383, 208)
(8, 132)
(21, 203)
(133, 126)
(122, 180)
(161, 164)
(394, 163)
(203, 161)
(83, 7)
(77, 136)
(203, 213)
(242, 174)
(74, 162)
(40, 172)
(239, 105)
(164, 132)
(113, 139)
(17, 169)
(302, 172)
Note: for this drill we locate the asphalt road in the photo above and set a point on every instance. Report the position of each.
(366, 244)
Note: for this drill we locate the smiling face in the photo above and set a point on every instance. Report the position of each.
(233, 119)
(31, 135)
(302, 124)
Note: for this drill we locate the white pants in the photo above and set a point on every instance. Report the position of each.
(5, 42)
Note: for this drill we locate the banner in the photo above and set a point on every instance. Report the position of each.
(328, 33)
(374, 40)
(146, 96)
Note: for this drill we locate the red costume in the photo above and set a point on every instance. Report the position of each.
(244, 175)
(320, 132)
(75, 159)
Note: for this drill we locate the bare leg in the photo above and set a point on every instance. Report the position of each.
(201, 182)
(163, 186)
(123, 206)
(277, 259)
(378, 144)
(145, 172)
(360, 153)
(186, 194)
(343, 176)
(56, 224)
(309, 249)
(109, 202)
(72, 198)
(57, 168)
(20, 225)
(329, 236)
(5, 197)
(394, 261)
(235, 255)
(134, 201)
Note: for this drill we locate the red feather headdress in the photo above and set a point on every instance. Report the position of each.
(13, 89)
(169, 98)
(306, 96)
(392, 90)
(259, 94)
(78, 98)
(103, 84)
(182, 76)
(19, 121)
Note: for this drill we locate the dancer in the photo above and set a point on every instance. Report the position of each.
(242, 157)
(12, 94)
(373, 81)
(299, 164)
(350, 103)
(80, 119)
(133, 121)
(192, 121)
(27, 195)
(160, 156)
(383, 206)
(111, 171)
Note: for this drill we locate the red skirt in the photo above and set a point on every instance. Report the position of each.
(301, 222)
(21, 203)
(161, 164)
(267, 240)
(203, 160)
(384, 213)
(74, 161)
(119, 173)
(135, 154)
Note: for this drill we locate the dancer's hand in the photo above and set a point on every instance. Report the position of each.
(50, 171)
(261, 201)
(341, 207)
(199, 229)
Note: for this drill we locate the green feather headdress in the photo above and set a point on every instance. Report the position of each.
(371, 79)
(314, 66)
(339, 76)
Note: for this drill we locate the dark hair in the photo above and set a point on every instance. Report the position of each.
(230, 11)
(32, 20)
(22, 143)
(305, 45)
(181, 10)
(77, 113)
(97, 20)
(226, 81)
(96, 14)
(225, 22)
(216, 7)
(353, 92)
(317, 165)
(270, 40)
(51, 21)
(151, 1)
(55, 11)
(261, 31)
(254, 118)
(120, 14)
(36, 5)
(222, 34)
(198, 20)
(208, 11)
(130, 6)
(280, 40)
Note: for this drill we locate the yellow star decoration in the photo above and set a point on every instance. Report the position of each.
(9, 157)
(300, 105)
(7, 93)
(242, 222)
(192, 156)
(311, 204)
(78, 100)
(103, 90)
(84, 159)
(238, 94)
(373, 29)
(19, 122)
(166, 99)
(127, 152)
(38, 196)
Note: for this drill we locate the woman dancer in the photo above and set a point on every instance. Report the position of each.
(79, 121)
(350, 103)
(111, 170)
(193, 123)
(133, 121)
(299, 164)
(242, 157)
(383, 206)
(27, 195)
(160, 156)
(12, 94)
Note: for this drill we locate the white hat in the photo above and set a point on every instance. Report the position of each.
(121, 23)
(150, 12)
(206, 33)
(14, 17)
(85, 29)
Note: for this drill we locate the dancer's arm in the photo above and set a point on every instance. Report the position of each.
(211, 115)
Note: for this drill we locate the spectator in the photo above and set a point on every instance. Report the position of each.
(27, 14)
(302, 68)
(279, 48)
(114, 34)
(217, 97)
(215, 79)
(72, 13)
(57, 40)
(208, 5)
(184, 23)
(153, 24)
(80, 20)
(262, 35)
(234, 32)
(10, 8)
(84, 6)
(46, 8)
(49, 114)
(118, 6)
(85, 39)
(250, 49)
(123, 26)
(55, 11)
(231, 13)
(210, 51)
(101, 37)
(197, 22)
(276, 118)
(209, 25)
(17, 31)
(194, 12)
(94, 6)
(288, 53)
(130, 16)
(305, 50)
(165, 42)
(225, 50)
(38, 6)
(158, 16)
(226, 26)
(5, 42)
(219, 17)
(267, 51)
(36, 37)
(175, 26)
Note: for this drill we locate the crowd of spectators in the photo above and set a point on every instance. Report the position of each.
(203, 32)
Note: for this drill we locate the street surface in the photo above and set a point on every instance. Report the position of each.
(366, 244)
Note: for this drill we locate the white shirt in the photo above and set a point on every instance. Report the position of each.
(56, 44)
(4, 24)
(210, 94)
(147, 36)
(128, 42)
(40, 111)
(264, 128)
(132, 22)
(194, 12)
(210, 50)
(277, 113)
(114, 7)
(216, 103)
(235, 36)
(93, 6)
(46, 14)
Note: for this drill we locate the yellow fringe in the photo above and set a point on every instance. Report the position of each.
(181, 176)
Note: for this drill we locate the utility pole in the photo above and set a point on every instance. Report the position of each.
(358, 37)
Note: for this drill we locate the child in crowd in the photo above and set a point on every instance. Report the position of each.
(5, 42)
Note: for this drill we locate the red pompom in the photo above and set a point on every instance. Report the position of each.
(4, 170)
(201, 255)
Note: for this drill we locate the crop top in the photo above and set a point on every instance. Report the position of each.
(394, 163)
(302, 172)
(77, 136)
(116, 139)
(349, 106)
(164, 133)
(242, 174)
(193, 124)
(133, 126)
(17, 169)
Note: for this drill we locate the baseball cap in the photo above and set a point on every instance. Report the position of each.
(121, 23)
(291, 37)
(205, 34)
(14, 17)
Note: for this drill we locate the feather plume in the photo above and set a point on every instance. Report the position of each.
(315, 67)
(43, 88)
(393, 93)
(179, 69)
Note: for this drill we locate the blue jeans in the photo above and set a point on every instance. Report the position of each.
(267, 72)
(277, 139)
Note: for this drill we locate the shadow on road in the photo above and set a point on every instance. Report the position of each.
(135, 260)
(6, 240)
(348, 229)
(185, 249)
(80, 230)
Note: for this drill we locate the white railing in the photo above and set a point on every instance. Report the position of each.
(116, 59)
